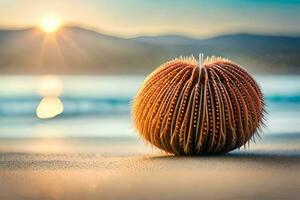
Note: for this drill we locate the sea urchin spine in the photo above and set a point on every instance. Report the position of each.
(190, 107)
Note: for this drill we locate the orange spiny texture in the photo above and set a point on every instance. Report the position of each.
(190, 108)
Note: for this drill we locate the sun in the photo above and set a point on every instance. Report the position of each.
(50, 24)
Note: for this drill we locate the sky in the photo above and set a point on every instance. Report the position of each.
(129, 18)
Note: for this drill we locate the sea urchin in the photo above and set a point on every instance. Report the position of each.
(190, 107)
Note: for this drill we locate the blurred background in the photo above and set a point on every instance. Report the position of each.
(70, 68)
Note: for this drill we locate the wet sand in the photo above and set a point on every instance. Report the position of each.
(127, 170)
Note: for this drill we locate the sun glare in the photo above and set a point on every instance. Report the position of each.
(50, 25)
(49, 107)
(50, 88)
(49, 85)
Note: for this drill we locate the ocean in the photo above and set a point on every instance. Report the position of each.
(99, 106)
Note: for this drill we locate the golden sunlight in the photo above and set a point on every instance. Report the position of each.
(49, 107)
(50, 25)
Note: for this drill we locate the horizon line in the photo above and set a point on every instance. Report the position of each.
(278, 34)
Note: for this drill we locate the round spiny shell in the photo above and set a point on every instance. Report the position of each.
(188, 107)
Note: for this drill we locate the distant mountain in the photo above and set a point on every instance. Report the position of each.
(168, 40)
(74, 50)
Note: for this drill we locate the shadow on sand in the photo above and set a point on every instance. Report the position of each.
(277, 157)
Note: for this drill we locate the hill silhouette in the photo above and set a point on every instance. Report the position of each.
(75, 50)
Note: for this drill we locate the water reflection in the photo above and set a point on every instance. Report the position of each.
(50, 88)
(49, 107)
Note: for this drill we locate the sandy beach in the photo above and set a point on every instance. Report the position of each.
(126, 169)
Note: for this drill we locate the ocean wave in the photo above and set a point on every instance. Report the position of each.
(74, 105)
(26, 106)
